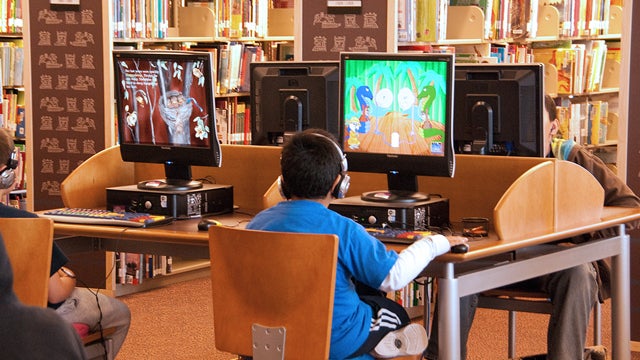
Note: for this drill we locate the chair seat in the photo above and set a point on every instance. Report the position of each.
(521, 300)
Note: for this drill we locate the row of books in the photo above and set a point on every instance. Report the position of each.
(11, 17)
(513, 20)
(232, 62)
(135, 19)
(422, 20)
(134, 268)
(580, 66)
(233, 119)
(585, 122)
(12, 112)
(11, 63)
(414, 294)
(238, 18)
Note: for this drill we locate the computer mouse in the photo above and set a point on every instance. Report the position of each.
(204, 224)
(460, 248)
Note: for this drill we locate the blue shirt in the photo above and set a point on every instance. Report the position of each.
(360, 256)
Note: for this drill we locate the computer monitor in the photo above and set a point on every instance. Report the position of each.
(396, 111)
(291, 96)
(166, 113)
(498, 109)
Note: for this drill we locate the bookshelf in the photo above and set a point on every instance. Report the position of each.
(12, 109)
(201, 26)
(266, 34)
(581, 52)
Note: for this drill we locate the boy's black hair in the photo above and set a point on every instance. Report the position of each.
(550, 107)
(310, 164)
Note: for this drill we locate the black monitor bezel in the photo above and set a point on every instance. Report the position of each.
(441, 166)
(177, 158)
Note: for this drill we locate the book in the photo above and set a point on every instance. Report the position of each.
(426, 20)
(564, 61)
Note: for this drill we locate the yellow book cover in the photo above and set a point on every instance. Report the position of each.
(564, 62)
(426, 20)
(593, 123)
(235, 25)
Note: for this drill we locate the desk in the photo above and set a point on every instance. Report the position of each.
(455, 277)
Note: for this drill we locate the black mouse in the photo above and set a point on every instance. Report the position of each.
(460, 248)
(205, 224)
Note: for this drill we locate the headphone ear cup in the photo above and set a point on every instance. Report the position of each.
(7, 178)
(341, 188)
(283, 189)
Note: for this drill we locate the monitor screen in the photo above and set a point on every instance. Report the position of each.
(499, 109)
(291, 96)
(166, 113)
(396, 116)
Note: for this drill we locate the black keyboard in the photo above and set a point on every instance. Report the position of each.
(105, 217)
(402, 236)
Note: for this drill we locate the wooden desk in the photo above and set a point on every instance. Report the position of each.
(528, 201)
(458, 274)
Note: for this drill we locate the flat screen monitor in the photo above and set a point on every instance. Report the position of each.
(396, 111)
(291, 96)
(166, 113)
(498, 109)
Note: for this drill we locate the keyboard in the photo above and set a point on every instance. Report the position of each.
(402, 236)
(105, 217)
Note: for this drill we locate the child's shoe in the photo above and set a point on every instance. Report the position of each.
(409, 340)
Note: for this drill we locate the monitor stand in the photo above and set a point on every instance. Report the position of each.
(402, 188)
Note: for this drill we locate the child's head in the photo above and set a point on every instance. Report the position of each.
(313, 165)
(550, 123)
(6, 146)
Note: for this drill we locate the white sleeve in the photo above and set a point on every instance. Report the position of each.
(412, 260)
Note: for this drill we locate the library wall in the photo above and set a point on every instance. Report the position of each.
(67, 93)
(633, 169)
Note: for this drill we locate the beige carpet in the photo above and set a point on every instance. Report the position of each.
(175, 322)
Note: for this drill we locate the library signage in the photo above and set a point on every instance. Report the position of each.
(67, 77)
(333, 27)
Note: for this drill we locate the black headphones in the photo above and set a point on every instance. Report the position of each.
(341, 188)
(8, 174)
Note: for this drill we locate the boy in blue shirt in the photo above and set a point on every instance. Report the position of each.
(314, 173)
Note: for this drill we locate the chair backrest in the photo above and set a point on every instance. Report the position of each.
(273, 279)
(28, 242)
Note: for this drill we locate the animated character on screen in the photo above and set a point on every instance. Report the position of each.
(405, 114)
(352, 137)
(157, 86)
(425, 98)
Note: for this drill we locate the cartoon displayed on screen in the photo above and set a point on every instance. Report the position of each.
(163, 102)
(395, 106)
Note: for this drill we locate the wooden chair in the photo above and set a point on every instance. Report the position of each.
(29, 242)
(513, 301)
(269, 287)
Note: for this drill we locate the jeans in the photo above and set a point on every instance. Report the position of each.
(82, 307)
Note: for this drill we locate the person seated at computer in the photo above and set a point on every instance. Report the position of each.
(314, 173)
(73, 304)
(31, 332)
(574, 291)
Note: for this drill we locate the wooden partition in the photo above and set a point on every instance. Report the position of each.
(477, 187)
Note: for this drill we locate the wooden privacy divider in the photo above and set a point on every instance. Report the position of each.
(549, 197)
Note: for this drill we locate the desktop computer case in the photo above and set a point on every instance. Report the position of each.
(421, 215)
(210, 199)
